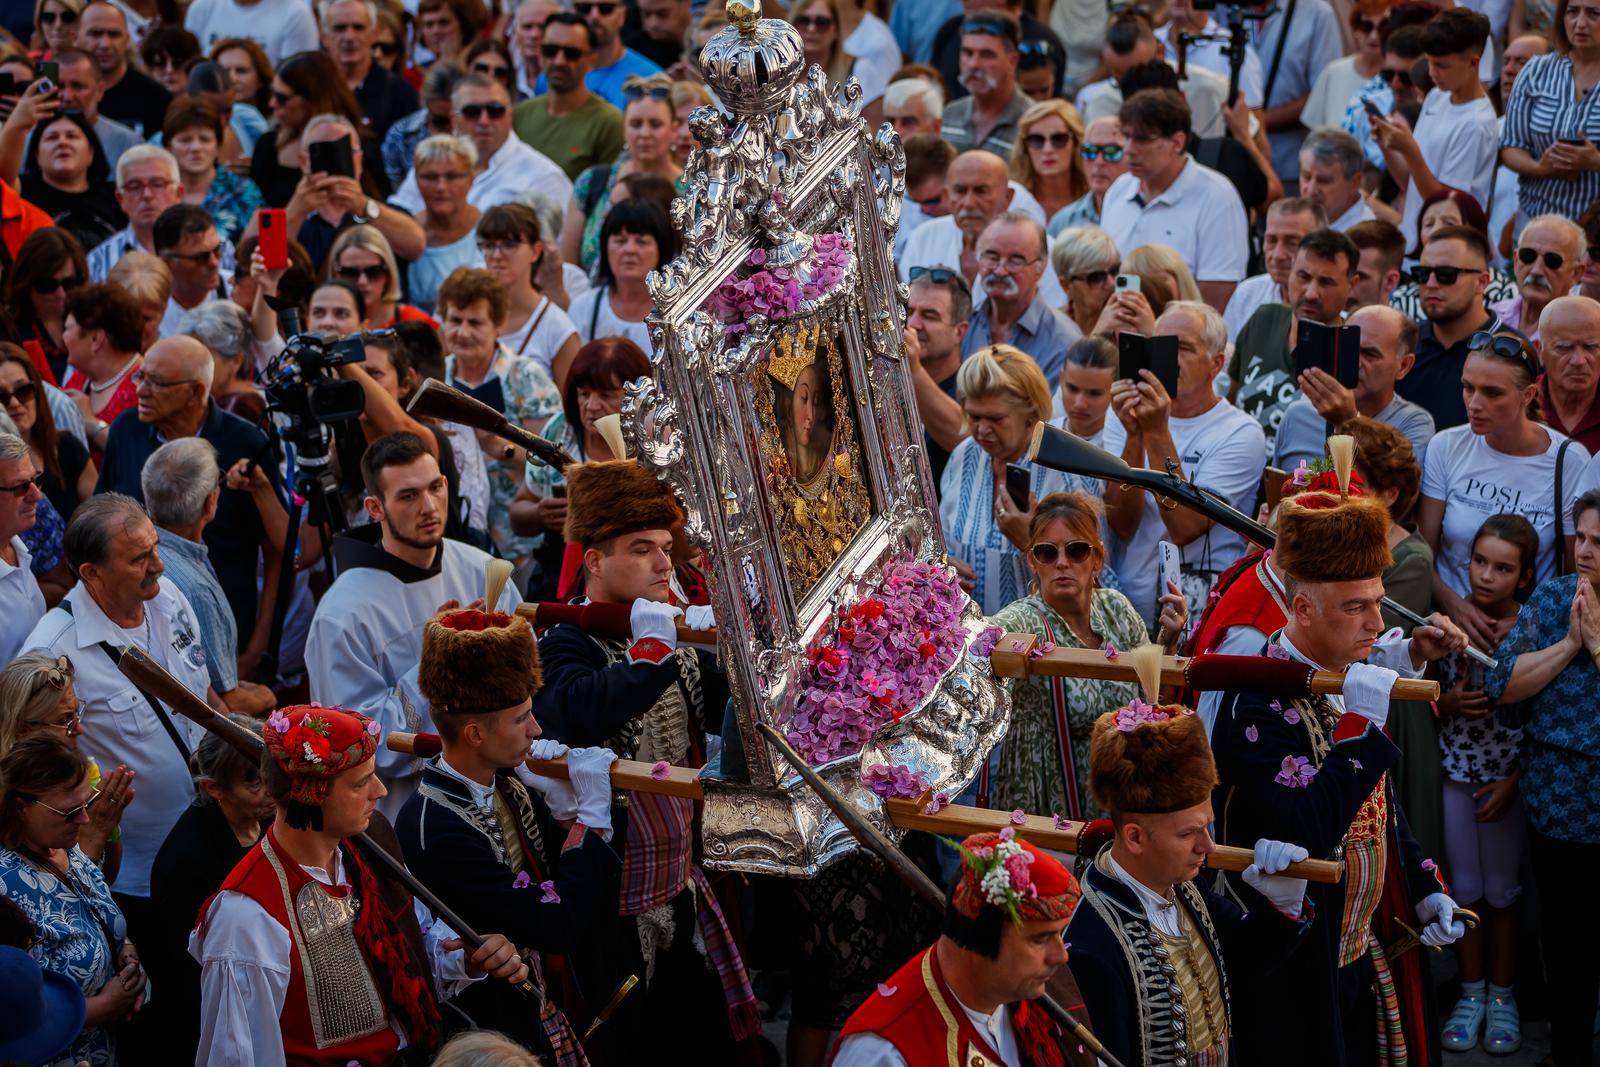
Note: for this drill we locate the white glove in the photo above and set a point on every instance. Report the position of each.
(558, 793)
(1366, 692)
(1286, 894)
(651, 618)
(1443, 929)
(590, 769)
(699, 617)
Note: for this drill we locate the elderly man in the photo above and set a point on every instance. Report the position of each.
(1013, 257)
(1288, 222)
(988, 117)
(1331, 167)
(121, 601)
(186, 239)
(1383, 250)
(527, 32)
(181, 485)
(1166, 198)
(613, 62)
(1451, 279)
(1548, 263)
(569, 124)
(938, 316)
(129, 95)
(21, 603)
(1388, 348)
(481, 110)
(1318, 289)
(913, 106)
(433, 117)
(324, 204)
(1570, 354)
(175, 401)
(349, 30)
(147, 184)
(1211, 442)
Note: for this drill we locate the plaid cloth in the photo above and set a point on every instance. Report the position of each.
(658, 854)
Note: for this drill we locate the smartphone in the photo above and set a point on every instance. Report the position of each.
(50, 71)
(332, 157)
(1575, 141)
(559, 491)
(10, 86)
(1372, 109)
(1334, 349)
(1129, 283)
(1158, 355)
(1171, 566)
(1019, 485)
(273, 228)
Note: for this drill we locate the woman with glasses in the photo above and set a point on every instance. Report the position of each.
(306, 85)
(45, 798)
(55, 26)
(490, 57)
(823, 26)
(511, 243)
(68, 177)
(1087, 262)
(1040, 768)
(444, 166)
(1045, 158)
(62, 459)
(649, 129)
(167, 52)
(1450, 207)
(1340, 80)
(389, 45)
(1103, 163)
(362, 256)
(248, 69)
(194, 133)
(48, 266)
(1503, 459)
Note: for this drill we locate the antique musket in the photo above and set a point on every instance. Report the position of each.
(435, 400)
(1059, 450)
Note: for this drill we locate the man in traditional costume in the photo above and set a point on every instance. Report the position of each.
(969, 998)
(533, 862)
(647, 699)
(1153, 948)
(1313, 771)
(309, 954)
(394, 574)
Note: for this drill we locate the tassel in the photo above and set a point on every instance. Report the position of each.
(610, 428)
(1342, 451)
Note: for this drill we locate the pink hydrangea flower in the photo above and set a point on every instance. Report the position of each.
(1296, 772)
(661, 770)
(896, 781)
(1302, 474)
(1019, 817)
(1060, 823)
(1136, 714)
(278, 721)
(373, 728)
(1291, 716)
(1251, 734)
(1111, 651)
(548, 894)
(983, 644)
(521, 880)
(885, 990)
(1008, 833)
(1038, 651)
(937, 803)
(1277, 652)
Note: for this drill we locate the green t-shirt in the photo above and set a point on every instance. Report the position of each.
(592, 134)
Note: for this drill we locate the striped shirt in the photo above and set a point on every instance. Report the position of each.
(1542, 109)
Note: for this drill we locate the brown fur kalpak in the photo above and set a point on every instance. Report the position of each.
(1147, 760)
(477, 661)
(615, 497)
(1346, 542)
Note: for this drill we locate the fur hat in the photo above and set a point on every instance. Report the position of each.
(1147, 760)
(1325, 538)
(614, 497)
(475, 661)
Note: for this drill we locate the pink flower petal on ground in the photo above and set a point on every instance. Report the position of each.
(548, 893)
(521, 880)
(661, 770)
(1019, 817)
(1251, 733)
(885, 990)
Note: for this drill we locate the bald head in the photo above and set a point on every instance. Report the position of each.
(1388, 349)
(1569, 348)
(179, 359)
(978, 190)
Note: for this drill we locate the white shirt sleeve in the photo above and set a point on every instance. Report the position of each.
(868, 1050)
(449, 965)
(244, 979)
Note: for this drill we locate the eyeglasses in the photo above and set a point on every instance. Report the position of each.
(138, 188)
(46, 286)
(638, 91)
(1366, 26)
(499, 248)
(1097, 277)
(377, 272)
(1392, 76)
(571, 53)
(1447, 275)
(74, 812)
(1036, 141)
(197, 258)
(72, 725)
(386, 48)
(992, 27)
(140, 379)
(601, 9)
(813, 22)
(1046, 554)
(1111, 153)
(1506, 346)
(50, 18)
(1527, 256)
(473, 112)
(1013, 262)
(22, 487)
(22, 394)
(940, 276)
(439, 122)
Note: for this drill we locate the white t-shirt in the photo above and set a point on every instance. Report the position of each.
(1254, 291)
(21, 603)
(1199, 215)
(1460, 143)
(1334, 89)
(281, 27)
(1475, 482)
(592, 322)
(1224, 450)
(542, 336)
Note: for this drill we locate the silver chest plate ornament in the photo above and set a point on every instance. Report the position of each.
(780, 411)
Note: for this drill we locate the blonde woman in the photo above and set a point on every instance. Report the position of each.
(1164, 263)
(363, 257)
(55, 25)
(1047, 158)
(444, 167)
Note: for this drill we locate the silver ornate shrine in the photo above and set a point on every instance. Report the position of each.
(781, 413)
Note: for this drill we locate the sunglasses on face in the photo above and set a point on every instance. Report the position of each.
(1447, 275)
(493, 70)
(1097, 277)
(1046, 554)
(1036, 141)
(50, 18)
(282, 98)
(1111, 153)
(473, 112)
(198, 258)
(386, 48)
(46, 286)
(74, 812)
(1366, 26)
(1506, 347)
(376, 272)
(22, 487)
(813, 22)
(22, 394)
(940, 276)
(1390, 77)
(602, 9)
(566, 51)
(439, 122)
(639, 92)
(1528, 256)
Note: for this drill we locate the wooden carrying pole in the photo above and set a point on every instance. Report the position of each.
(955, 820)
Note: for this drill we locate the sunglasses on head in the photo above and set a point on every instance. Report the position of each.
(473, 112)
(46, 286)
(1507, 347)
(58, 676)
(22, 487)
(1037, 141)
(571, 53)
(1447, 275)
(639, 91)
(1034, 54)
(993, 27)
(22, 394)
(939, 276)
(50, 18)
(1111, 153)
(1392, 76)
(1528, 256)
(373, 273)
(1097, 277)
(813, 22)
(1046, 554)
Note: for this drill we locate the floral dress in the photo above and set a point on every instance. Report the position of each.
(231, 201)
(72, 925)
(1041, 771)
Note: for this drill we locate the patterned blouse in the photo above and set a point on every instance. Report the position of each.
(1475, 751)
(1040, 770)
(1560, 757)
(232, 202)
(72, 924)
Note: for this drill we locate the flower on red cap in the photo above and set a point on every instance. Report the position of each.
(313, 745)
(1001, 870)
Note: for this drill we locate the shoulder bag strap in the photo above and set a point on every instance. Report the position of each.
(594, 312)
(1277, 55)
(1559, 546)
(155, 705)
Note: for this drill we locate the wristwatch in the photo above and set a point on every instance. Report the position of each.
(370, 212)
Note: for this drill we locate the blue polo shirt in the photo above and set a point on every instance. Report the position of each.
(1042, 332)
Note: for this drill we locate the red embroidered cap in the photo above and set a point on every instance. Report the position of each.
(1001, 870)
(312, 745)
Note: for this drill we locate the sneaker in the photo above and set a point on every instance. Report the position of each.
(1461, 1029)
(1503, 1032)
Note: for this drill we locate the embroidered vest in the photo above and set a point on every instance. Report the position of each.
(1200, 985)
(924, 1021)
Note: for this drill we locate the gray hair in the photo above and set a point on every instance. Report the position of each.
(177, 480)
(444, 148)
(95, 524)
(218, 762)
(7, 426)
(13, 446)
(146, 153)
(900, 92)
(484, 1048)
(220, 325)
(549, 210)
(1301, 205)
(1576, 240)
(324, 6)
(1081, 249)
(329, 119)
(1213, 327)
(1020, 218)
(1330, 146)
